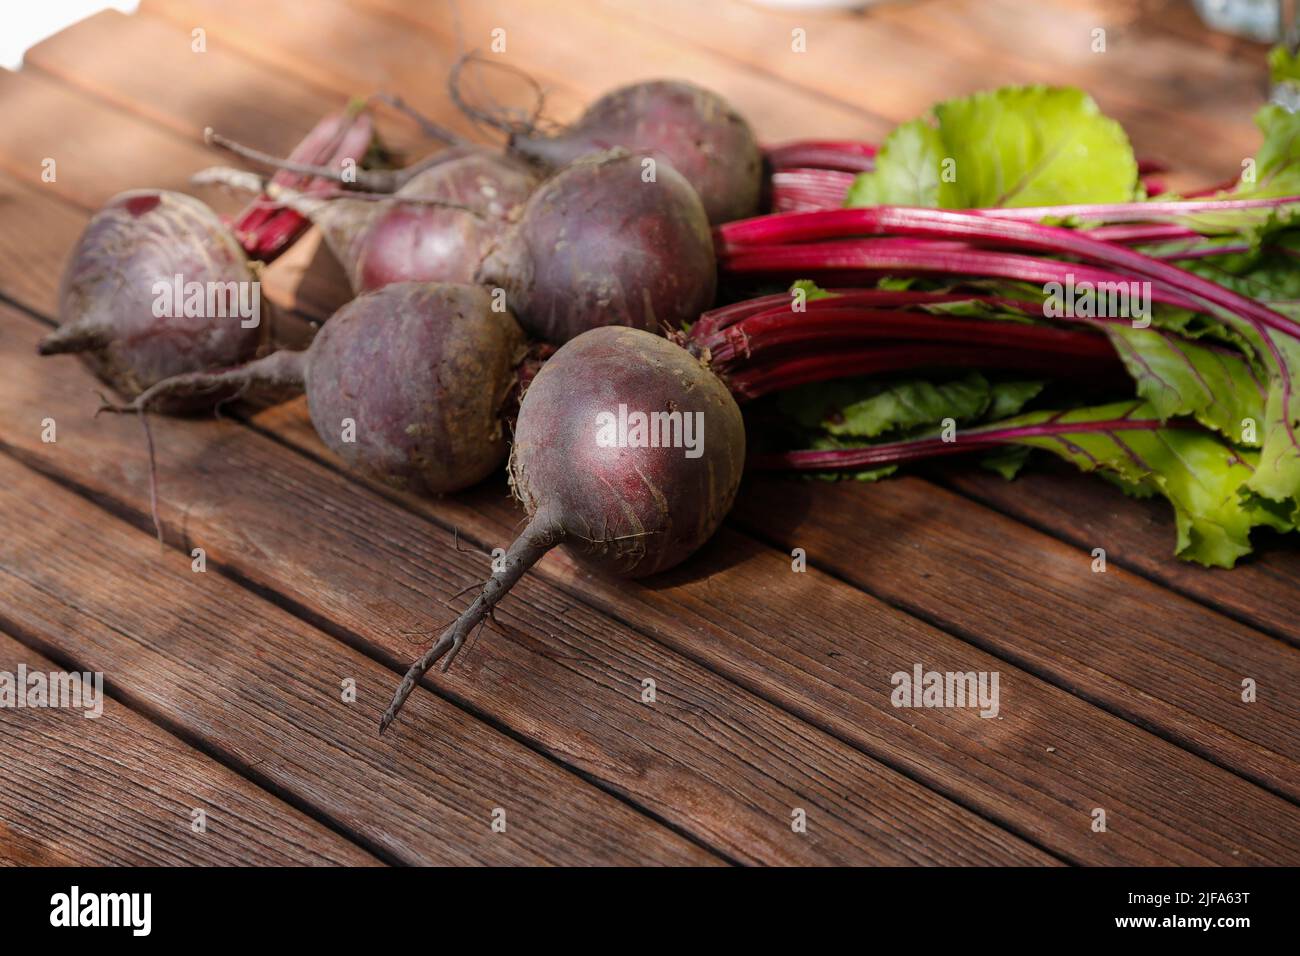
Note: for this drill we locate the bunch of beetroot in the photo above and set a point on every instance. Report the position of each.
(459, 263)
(603, 240)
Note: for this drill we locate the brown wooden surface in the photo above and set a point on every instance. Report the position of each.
(1120, 691)
(118, 790)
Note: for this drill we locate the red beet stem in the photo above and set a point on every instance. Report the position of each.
(915, 449)
(844, 155)
(803, 190)
(756, 380)
(890, 256)
(828, 324)
(949, 225)
(713, 321)
(264, 228)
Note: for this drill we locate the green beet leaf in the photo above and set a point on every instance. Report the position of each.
(1215, 383)
(1016, 146)
(1199, 474)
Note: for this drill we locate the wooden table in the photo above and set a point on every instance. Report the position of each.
(1120, 691)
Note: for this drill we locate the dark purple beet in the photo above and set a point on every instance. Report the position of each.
(597, 245)
(421, 242)
(694, 129)
(425, 370)
(629, 511)
(408, 384)
(109, 290)
(436, 228)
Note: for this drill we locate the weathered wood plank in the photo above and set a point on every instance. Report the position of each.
(266, 690)
(349, 51)
(1172, 18)
(185, 90)
(1263, 590)
(117, 790)
(738, 608)
(573, 54)
(707, 756)
(849, 56)
(1179, 99)
(1150, 655)
(37, 231)
(97, 152)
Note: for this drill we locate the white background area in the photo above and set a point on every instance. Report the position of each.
(25, 23)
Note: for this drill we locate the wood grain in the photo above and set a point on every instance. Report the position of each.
(116, 790)
(351, 52)
(185, 91)
(373, 575)
(812, 722)
(266, 691)
(98, 151)
(577, 55)
(1144, 79)
(1149, 655)
(738, 608)
(1261, 590)
(1179, 99)
(707, 756)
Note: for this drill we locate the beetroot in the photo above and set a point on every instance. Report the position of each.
(602, 242)
(437, 226)
(427, 242)
(692, 128)
(407, 385)
(119, 302)
(598, 245)
(627, 495)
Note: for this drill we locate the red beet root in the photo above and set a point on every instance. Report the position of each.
(426, 242)
(119, 301)
(692, 128)
(631, 496)
(407, 385)
(599, 245)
